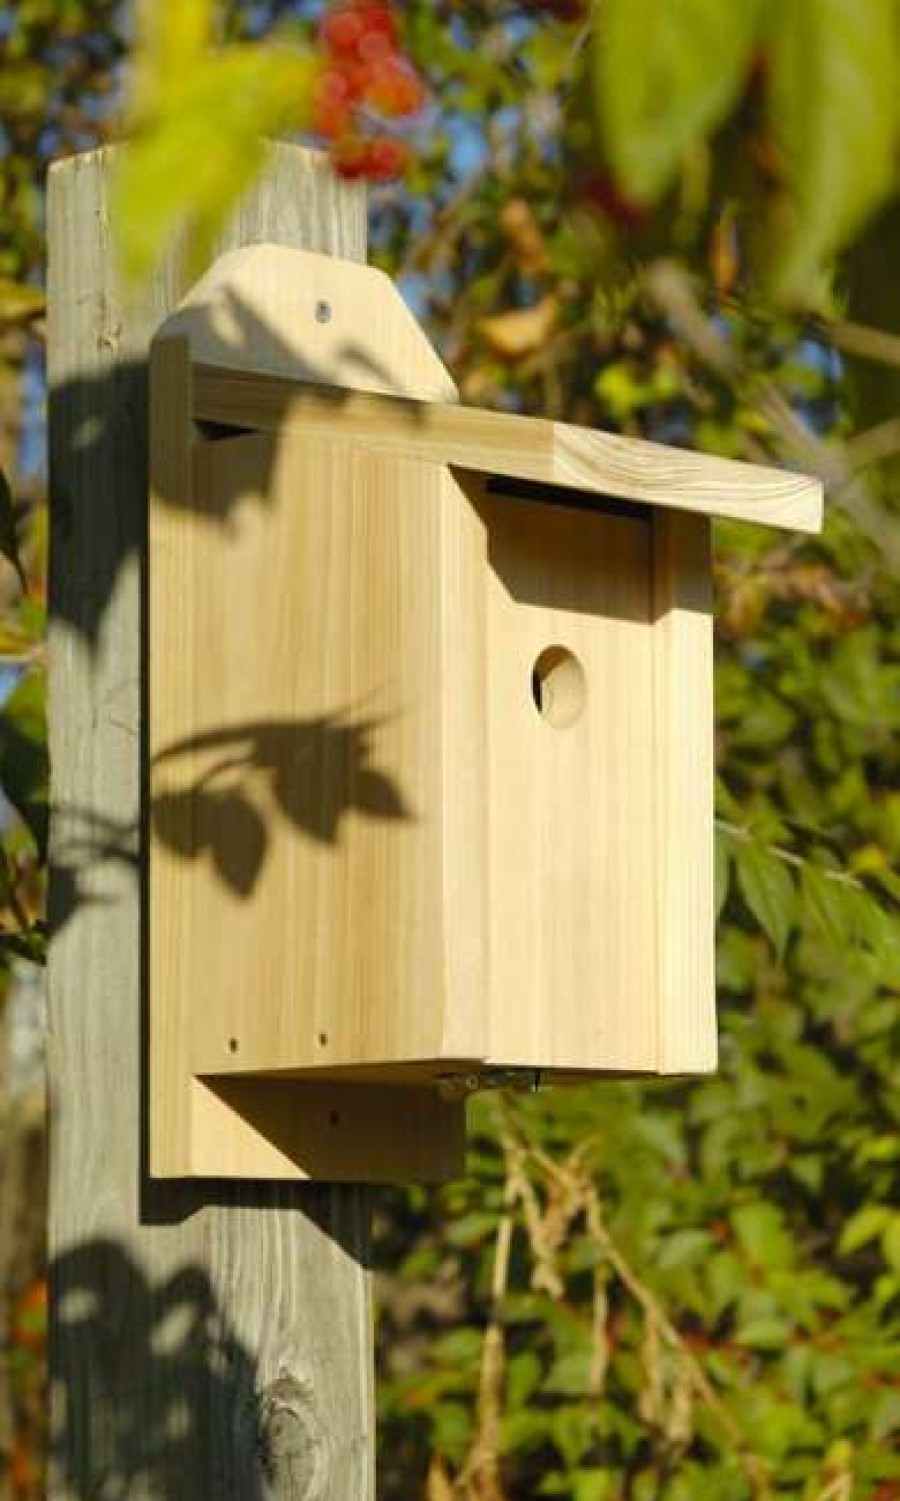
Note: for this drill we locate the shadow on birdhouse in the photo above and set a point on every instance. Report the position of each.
(431, 733)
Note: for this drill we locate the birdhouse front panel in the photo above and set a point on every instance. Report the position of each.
(571, 782)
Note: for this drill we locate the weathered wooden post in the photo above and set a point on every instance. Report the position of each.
(208, 1340)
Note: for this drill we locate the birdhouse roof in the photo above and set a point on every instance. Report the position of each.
(281, 339)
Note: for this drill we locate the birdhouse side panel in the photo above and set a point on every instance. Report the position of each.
(685, 734)
(464, 771)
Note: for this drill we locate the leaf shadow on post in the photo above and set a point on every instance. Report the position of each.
(187, 1398)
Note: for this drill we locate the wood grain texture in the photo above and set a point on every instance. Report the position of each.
(279, 311)
(311, 798)
(395, 855)
(207, 1341)
(170, 433)
(329, 1132)
(571, 855)
(528, 448)
(685, 758)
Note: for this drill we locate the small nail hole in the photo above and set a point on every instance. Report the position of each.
(323, 1039)
(233, 1044)
(323, 312)
(334, 1118)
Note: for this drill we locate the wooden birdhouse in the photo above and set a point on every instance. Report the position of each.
(431, 726)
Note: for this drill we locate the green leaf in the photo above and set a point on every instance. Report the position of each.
(188, 163)
(664, 76)
(525, 1430)
(9, 546)
(172, 39)
(767, 1333)
(863, 1226)
(29, 944)
(890, 1242)
(451, 1429)
(761, 1231)
(833, 103)
(572, 1431)
(685, 1248)
(824, 903)
(460, 1347)
(768, 889)
(723, 869)
(19, 302)
(593, 1485)
(24, 763)
(523, 1376)
(870, 927)
(570, 1374)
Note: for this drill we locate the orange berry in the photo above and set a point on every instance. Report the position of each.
(332, 103)
(380, 19)
(356, 75)
(359, 24)
(342, 29)
(350, 157)
(374, 46)
(387, 159)
(394, 89)
(330, 120)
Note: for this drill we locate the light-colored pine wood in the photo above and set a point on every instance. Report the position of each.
(315, 813)
(446, 809)
(439, 879)
(685, 768)
(272, 309)
(290, 1128)
(571, 851)
(170, 433)
(284, 312)
(207, 1340)
(528, 448)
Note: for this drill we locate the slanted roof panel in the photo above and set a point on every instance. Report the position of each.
(516, 447)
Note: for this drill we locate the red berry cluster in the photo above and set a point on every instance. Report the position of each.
(364, 71)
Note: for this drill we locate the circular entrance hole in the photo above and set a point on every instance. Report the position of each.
(558, 687)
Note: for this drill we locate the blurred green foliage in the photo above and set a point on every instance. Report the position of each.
(821, 77)
(200, 112)
(682, 225)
